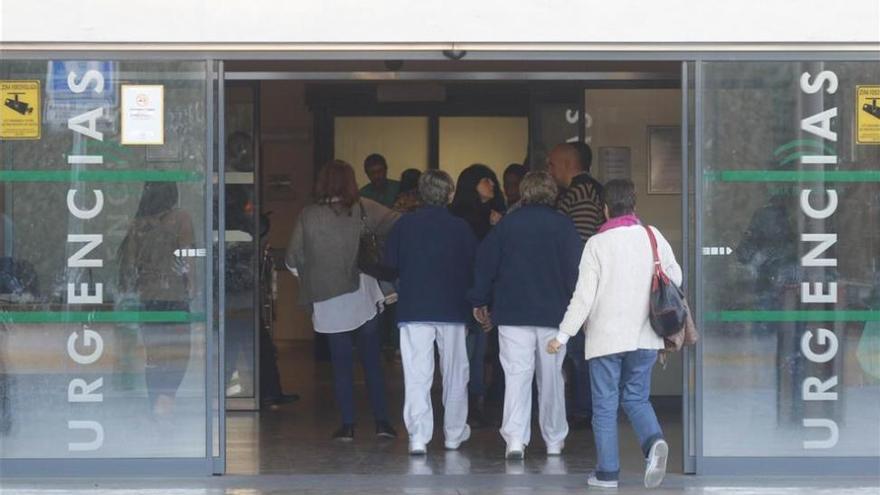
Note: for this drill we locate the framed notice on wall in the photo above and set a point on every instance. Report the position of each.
(143, 114)
(664, 158)
(615, 163)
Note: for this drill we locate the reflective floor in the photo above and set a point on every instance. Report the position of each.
(296, 438)
(290, 451)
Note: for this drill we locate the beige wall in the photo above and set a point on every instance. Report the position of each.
(493, 141)
(286, 148)
(403, 141)
(621, 118)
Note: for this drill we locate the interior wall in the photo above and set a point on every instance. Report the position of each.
(287, 156)
(403, 141)
(493, 141)
(621, 117)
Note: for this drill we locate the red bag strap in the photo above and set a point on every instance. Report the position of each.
(658, 268)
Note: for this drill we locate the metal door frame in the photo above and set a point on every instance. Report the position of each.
(689, 463)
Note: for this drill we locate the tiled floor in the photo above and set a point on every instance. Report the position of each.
(289, 451)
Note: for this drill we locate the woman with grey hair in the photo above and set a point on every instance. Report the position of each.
(433, 253)
(527, 269)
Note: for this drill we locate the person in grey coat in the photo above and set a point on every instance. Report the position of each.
(323, 254)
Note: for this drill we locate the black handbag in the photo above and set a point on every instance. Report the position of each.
(668, 310)
(369, 257)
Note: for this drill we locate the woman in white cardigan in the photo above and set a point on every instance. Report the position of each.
(612, 297)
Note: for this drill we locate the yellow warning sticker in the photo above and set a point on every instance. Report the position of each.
(20, 110)
(868, 114)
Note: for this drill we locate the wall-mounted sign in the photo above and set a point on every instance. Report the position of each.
(143, 114)
(20, 110)
(66, 94)
(868, 114)
(615, 162)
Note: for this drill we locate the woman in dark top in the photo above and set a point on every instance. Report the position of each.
(150, 273)
(478, 200)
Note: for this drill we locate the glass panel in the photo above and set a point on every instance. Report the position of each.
(493, 141)
(241, 239)
(403, 141)
(790, 259)
(103, 260)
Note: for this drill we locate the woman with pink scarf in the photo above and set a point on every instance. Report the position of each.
(612, 298)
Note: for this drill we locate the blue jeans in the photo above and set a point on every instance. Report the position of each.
(622, 380)
(369, 345)
(582, 401)
(476, 349)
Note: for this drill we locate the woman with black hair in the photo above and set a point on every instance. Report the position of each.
(408, 200)
(478, 200)
(150, 271)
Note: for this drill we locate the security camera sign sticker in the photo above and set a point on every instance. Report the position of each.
(20, 110)
(868, 114)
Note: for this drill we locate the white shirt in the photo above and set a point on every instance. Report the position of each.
(613, 292)
(349, 311)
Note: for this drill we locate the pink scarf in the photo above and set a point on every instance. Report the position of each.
(621, 221)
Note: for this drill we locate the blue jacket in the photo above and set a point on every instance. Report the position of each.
(433, 252)
(527, 268)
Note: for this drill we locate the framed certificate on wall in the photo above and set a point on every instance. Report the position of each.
(143, 114)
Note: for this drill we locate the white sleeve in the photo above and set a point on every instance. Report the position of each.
(584, 295)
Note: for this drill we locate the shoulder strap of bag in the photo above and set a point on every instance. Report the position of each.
(658, 268)
(364, 224)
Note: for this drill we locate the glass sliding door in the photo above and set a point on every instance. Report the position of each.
(789, 267)
(104, 296)
(242, 238)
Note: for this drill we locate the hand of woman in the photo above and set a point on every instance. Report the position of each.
(495, 217)
(482, 316)
(554, 346)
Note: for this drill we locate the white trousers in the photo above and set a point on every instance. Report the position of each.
(524, 356)
(417, 352)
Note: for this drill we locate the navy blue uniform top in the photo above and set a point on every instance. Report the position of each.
(527, 268)
(433, 252)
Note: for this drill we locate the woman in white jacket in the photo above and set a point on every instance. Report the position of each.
(612, 297)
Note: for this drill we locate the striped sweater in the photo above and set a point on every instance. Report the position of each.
(582, 202)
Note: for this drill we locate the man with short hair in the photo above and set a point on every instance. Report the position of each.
(581, 200)
(381, 189)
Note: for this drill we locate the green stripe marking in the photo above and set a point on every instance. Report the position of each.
(794, 176)
(806, 143)
(100, 176)
(797, 155)
(792, 316)
(100, 317)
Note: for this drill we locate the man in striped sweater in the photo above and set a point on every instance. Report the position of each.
(581, 200)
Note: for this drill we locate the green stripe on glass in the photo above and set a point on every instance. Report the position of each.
(100, 317)
(806, 143)
(795, 176)
(793, 316)
(100, 176)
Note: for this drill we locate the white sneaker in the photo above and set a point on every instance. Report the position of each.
(465, 438)
(417, 448)
(597, 483)
(555, 448)
(656, 467)
(515, 452)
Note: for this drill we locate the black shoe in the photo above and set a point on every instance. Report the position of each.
(580, 423)
(476, 418)
(385, 430)
(278, 400)
(344, 434)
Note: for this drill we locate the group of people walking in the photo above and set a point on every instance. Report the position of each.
(554, 274)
